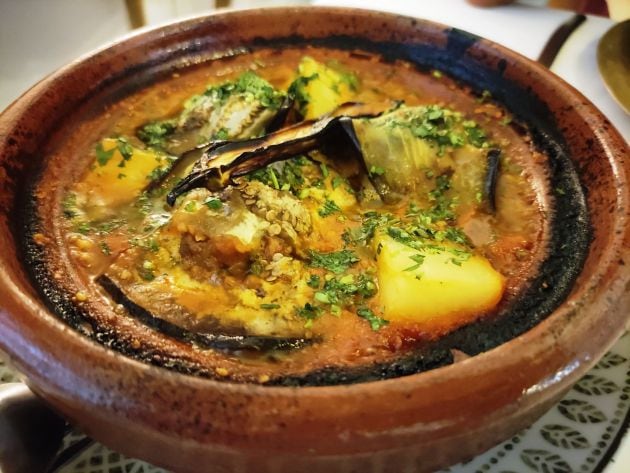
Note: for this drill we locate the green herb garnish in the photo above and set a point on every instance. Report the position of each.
(297, 90)
(213, 203)
(418, 259)
(83, 227)
(376, 171)
(102, 156)
(125, 150)
(309, 312)
(105, 249)
(286, 175)
(375, 321)
(269, 306)
(330, 207)
(336, 262)
(154, 134)
(313, 281)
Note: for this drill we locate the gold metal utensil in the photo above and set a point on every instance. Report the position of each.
(613, 60)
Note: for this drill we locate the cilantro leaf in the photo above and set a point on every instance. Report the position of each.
(336, 262)
(102, 156)
(375, 321)
(330, 207)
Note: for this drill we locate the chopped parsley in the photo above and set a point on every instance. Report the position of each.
(328, 208)
(418, 259)
(336, 262)
(337, 181)
(339, 291)
(158, 173)
(476, 136)
(313, 281)
(105, 249)
(102, 156)
(83, 228)
(250, 85)
(421, 229)
(125, 150)
(221, 135)
(154, 134)
(256, 267)
(363, 235)
(286, 175)
(324, 169)
(213, 203)
(123, 147)
(143, 204)
(441, 126)
(150, 244)
(485, 96)
(269, 306)
(375, 321)
(376, 171)
(297, 90)
(309, 312)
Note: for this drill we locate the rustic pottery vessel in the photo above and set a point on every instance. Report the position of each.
(415, 423)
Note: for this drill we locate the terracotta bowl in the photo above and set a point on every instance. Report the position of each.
(415, 423)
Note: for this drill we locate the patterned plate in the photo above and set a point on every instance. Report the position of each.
(579, 435)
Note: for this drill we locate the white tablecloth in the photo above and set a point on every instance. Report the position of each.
(524, 29)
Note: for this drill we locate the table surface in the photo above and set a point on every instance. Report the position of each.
(522, 28)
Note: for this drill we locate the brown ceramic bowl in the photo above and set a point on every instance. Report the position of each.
(413, 423)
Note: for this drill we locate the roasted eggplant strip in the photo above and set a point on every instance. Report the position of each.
(188, 157)
(282, 116)
(181, 163)
(202, 340)
(242, 157)
(490, 182)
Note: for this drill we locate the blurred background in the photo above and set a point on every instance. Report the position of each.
(39, 36)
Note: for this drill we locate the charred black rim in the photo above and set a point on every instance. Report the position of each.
(570, 233)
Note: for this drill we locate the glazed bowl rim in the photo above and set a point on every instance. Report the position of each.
(504, 355)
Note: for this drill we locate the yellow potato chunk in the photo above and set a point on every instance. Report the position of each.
(436, 294)
(114, 181)
(326, 88)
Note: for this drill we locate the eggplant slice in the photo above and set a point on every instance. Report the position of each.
(205, 340)
(224, 163)
(393, 146)
(490, 183)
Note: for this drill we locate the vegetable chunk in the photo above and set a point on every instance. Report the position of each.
(121, 173)
(436, 288)
(320, 88)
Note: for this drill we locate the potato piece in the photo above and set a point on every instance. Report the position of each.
(438, 295)
(322, 87)
(114, 181)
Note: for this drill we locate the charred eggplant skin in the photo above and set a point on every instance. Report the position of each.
(238, 158)
(490, 182)
(221, 342)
